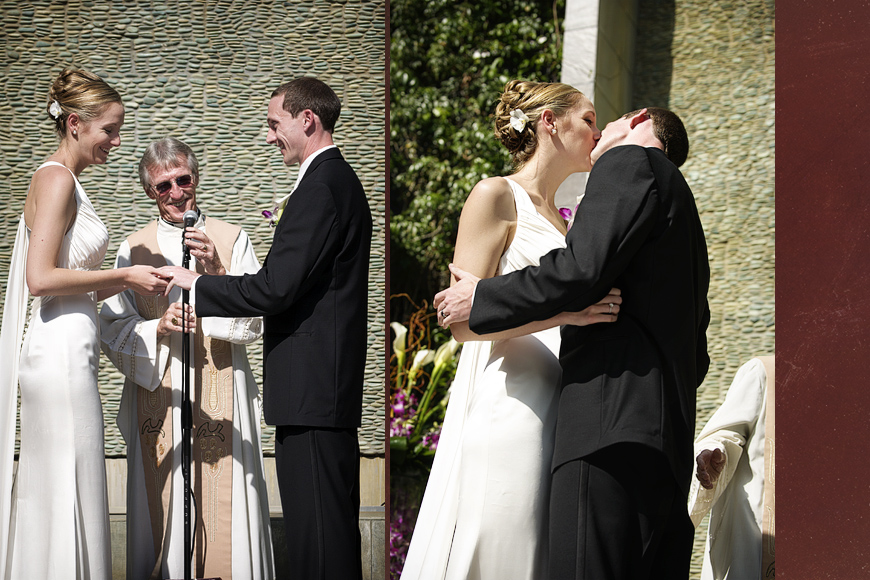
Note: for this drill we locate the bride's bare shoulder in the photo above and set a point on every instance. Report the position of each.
(494, 194)
(492, 188)
(52, 192)
(490, 200)
(53, 180)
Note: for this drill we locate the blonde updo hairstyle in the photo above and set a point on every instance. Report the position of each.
(532, 98)
(79, 92)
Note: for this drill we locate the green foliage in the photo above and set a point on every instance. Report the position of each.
(449, 61)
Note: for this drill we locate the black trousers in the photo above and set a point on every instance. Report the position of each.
(618, 514)
(318, 475)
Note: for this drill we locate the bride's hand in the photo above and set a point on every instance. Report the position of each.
(145, 280)
(604, 311)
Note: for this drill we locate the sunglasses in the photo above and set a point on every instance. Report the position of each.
(182, 181)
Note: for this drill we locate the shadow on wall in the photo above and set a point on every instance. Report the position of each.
(653, 53)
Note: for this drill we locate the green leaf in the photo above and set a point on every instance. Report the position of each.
(398, 449)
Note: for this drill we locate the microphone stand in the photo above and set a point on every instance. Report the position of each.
(190, 218)
(186, 411)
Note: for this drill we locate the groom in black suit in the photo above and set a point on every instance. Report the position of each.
(623, 457)
(312, 293)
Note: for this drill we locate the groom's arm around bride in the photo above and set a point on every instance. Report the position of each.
(628, 387)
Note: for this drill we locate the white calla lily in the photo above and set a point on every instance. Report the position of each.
(423, 357)
(399, 343)
(446, 352)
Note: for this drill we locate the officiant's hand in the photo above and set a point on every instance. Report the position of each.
(454, 303)
(203, 249)
(171, 320)
(178, 276)
(710, 465)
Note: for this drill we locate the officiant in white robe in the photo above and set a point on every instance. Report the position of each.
(740, 540)
(142, 337)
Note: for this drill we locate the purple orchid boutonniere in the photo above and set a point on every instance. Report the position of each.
(568, 215)
(273, 216)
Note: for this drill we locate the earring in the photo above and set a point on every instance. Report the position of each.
(553, 131)
(74, 133)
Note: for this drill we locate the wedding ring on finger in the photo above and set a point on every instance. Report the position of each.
(611, 308)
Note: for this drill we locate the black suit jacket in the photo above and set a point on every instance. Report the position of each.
(312, 293)
(633, 380)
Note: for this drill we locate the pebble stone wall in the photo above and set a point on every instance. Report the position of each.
(713, 63)
(203, 72)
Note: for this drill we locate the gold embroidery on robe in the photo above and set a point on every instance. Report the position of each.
(212, 400)
(212, 450)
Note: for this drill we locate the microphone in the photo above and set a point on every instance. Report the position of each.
(189, 219)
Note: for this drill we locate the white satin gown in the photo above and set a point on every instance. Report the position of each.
(485, 510)
(59, 519)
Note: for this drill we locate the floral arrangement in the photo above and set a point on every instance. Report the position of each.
(419, 380)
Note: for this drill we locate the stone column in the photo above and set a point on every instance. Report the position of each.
(598, 59)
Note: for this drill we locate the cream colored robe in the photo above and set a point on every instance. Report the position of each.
(734, 543)
(131, 343)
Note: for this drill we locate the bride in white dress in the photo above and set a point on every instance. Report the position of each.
(54, 520)
(485, 510)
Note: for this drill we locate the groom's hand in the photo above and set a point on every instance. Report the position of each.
(178, 276)
(454, 304)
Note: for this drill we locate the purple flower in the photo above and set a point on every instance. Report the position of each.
(403, 405)
(566, 213)
(432, 438)
(400, 428)
(273, 216)
(403, 409)
(400, 539)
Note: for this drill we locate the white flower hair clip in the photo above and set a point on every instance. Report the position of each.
(55, 109)
(519, 120)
